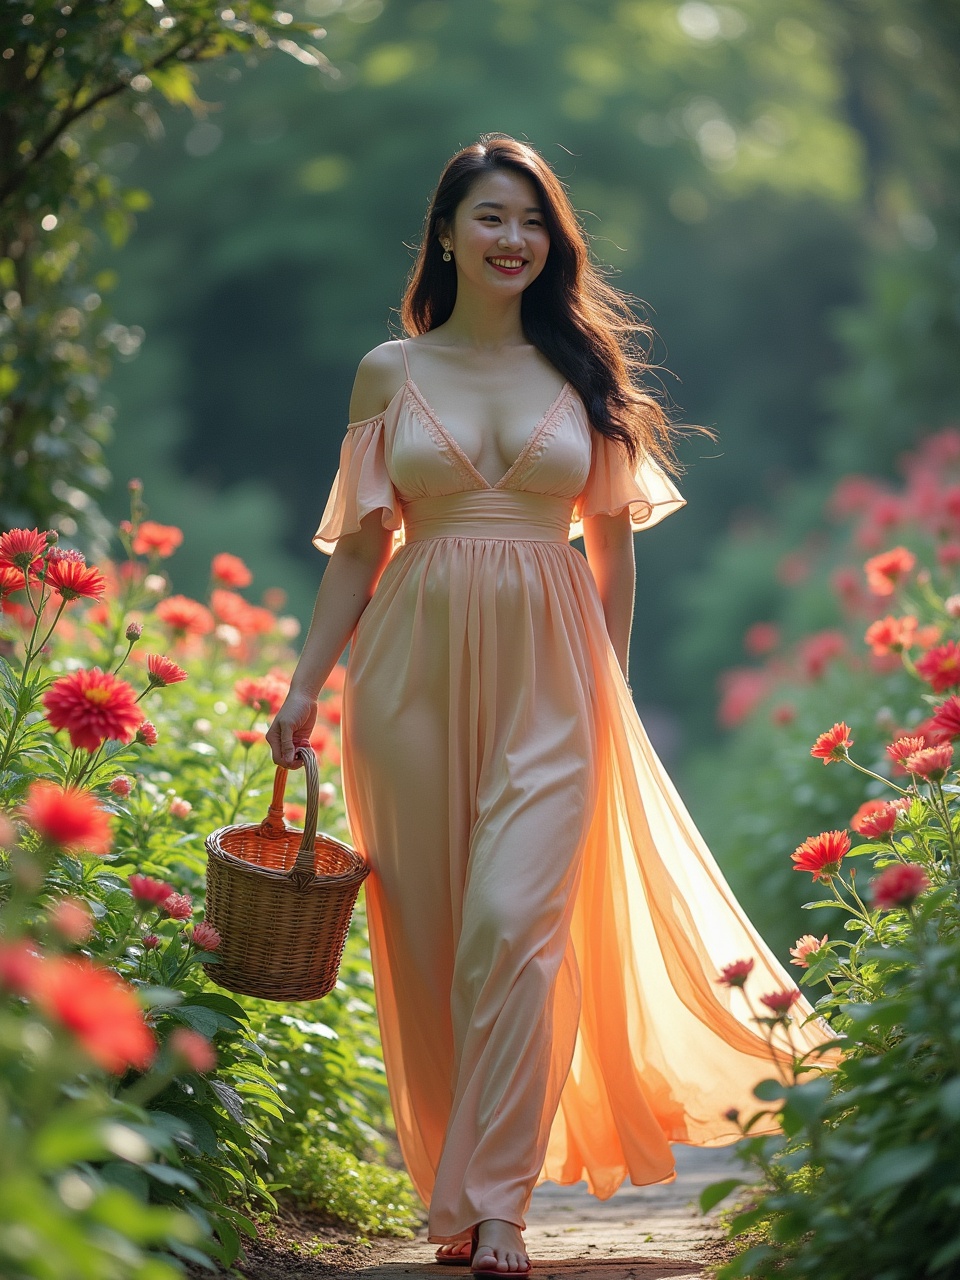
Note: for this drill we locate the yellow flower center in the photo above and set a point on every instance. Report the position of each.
(98, 695)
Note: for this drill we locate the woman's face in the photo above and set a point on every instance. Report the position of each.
(499, 237)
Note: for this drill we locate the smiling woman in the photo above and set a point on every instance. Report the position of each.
(546, 924)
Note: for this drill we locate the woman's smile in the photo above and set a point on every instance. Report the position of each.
(508, 265)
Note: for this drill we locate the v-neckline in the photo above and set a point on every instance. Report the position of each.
(458, 450)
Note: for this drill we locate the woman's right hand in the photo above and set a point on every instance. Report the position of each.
(291, 728)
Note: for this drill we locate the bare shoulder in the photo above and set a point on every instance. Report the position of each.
(380, 375)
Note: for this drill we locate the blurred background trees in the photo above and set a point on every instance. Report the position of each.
(779, 184)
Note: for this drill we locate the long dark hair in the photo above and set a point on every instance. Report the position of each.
(585, 327)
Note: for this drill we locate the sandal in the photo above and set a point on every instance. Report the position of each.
(456, 1259)
(494, 1270)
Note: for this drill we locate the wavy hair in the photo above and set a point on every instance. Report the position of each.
(586, 328)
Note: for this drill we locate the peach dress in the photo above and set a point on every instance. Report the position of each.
(546, 922)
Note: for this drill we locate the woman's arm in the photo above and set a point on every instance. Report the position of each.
(608, 542)
(345, 590)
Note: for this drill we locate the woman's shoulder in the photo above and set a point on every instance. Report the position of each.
(380, 375)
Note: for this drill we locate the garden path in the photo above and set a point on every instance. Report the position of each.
(641, 1233)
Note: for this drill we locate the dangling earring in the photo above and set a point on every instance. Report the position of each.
(447, 255)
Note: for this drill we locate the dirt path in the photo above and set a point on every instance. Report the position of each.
(641, 1233)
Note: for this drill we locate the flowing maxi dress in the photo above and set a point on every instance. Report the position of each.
(546, 922)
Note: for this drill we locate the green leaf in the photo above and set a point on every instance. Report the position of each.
(769, 1090)
(718, 1191)
(893, 1168)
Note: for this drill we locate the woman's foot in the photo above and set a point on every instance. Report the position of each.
(455, 1253)
(499, 1249)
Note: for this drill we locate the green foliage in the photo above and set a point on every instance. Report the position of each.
(65, 68)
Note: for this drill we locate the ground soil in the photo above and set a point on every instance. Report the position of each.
(641, 1233)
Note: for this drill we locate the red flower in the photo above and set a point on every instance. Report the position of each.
(230, 570)
(884, 571)
(147, 734)
(324, 744)
(899, 885)
(177, 906)
(150, 941)
(101, 1011)
(930, 762)
(781, 1002)
(69, 818)
(804, 947)
(903, 747)
(940, 666)
(946, 718)
(11, 580)
(832, 745)
(821, 855)
(93, 705)
(294, 812)
(247, 737)
(22, 548)
(163, 671)
(948, 555)
(121, 785)
(876, 818)
(741, 690)
(71, 919)
(180, 808)
(185, 616)
(193, 1049)
(891, 635)
(263, 693)
(819, 650)
(204, 936)
(761, 638)
(148, 891)
(19, 967)
(72, 579)
(735, 974)
(157, 539)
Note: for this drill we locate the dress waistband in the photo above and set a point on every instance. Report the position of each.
(488, 513)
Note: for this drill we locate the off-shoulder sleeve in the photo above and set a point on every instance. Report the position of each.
(362, 485)
(613, 483)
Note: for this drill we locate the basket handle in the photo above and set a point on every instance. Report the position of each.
(301, 874)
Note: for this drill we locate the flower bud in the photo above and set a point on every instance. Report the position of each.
(150, 941)
(134, 631)
(135, 485)
(51, 537)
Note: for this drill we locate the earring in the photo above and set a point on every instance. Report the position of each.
(447, 255)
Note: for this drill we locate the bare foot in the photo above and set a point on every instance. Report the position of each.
(500, 1248)
(455, 1250)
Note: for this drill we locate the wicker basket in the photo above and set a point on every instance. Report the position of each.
(281, 900)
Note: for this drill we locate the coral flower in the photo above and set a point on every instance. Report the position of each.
(73, 580)
(819, 650)
(781, 1002)
(193, 1049)
(178, 906)
(185, 616)
(180, 808)
(891, 635)
(11, 580)
(877, 818)
(120, 786)
(931, 762)
(230, 570)
(163, 671)
(821, 855)
(885, 570)
(946, 718)
(804, 947)
(147, 733)
(324, 743)
(69, 818)
(903, 747)
(742, 689)
(736, 974)
(832, 745)
(204, 936)
(148, 891)
(263, 693)
(247, 737)
(294, 812)
(157, 539)
(940, 666)
(22, 548)
(92, 706)
(899, 885)
(100, 1010)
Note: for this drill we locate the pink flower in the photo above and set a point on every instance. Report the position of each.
(148, 891)
(204, 936)
(193, 1049)
(121, 785)
(736, 974)
(946, 717)
(177, 906)
(180, 808)
(885, 570)
(804, 947)
(940, 666)
(147, 734)
(230, 570)
(899, 885)
(781, 1002)
(71, 919)
(150, 941)
(931, 762)
(163, 671)
(903, 747)
(832, 745)
(877, 818)
(821, 855)
(761, 638)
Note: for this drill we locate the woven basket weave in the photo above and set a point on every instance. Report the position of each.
(281, 900)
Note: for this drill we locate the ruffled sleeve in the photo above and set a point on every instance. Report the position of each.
(613, 483)
(362, 485)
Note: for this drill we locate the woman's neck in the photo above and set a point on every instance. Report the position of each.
(485, 323)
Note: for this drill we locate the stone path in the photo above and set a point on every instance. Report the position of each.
(641, 1233)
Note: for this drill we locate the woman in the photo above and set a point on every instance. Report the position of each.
(546, 924)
